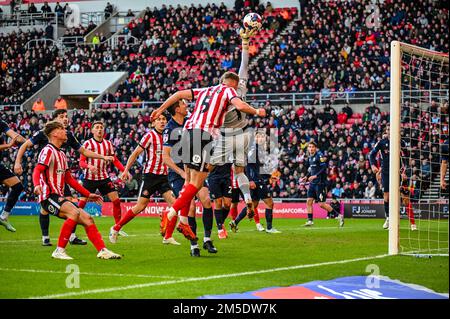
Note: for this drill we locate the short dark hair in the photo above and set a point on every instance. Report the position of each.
(173, 107)
(51, 126)
(312, 142)
(57, 112)
(229, 75)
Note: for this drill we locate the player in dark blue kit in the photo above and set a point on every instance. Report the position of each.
(172, 157)
(7, 177)
(258, 171)
(317, 178)
(219, 185)
(382, 147)
(41, 140)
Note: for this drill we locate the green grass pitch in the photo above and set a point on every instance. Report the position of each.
(247, 260)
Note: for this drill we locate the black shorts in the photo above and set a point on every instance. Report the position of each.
(152, 183)
(260, 192)
(318, 192)
(53, 203)
(197, 149)
(385, 181)
(5, 173)
(104, 186)
(176, 185)
(67, 191)
(236, 194)
(219, 188)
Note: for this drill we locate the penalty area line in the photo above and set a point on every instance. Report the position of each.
(195, 279)
(89, 273)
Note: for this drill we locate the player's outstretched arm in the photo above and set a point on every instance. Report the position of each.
(247, 108)
(372, 157)
(18, 162)
(126, 172)
(177, 96)
(16, 136)
(10, 144)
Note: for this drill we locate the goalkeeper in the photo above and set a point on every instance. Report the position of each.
(233, 143)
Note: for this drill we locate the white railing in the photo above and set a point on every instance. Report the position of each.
(23, 18)
(358, 97)
(11, 107)
(42, 41)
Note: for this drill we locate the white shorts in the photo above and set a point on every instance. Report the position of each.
(230, 148)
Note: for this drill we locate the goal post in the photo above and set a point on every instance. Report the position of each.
(418, 78)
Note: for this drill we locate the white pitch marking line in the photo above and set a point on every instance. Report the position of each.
(170, 282)
(89, 273)
(200, 232)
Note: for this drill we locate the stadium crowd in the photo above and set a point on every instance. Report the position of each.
(328, 49)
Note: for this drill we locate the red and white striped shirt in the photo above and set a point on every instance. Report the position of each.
(106, 148)
(210, 107)
(52, 180)
(152, 143)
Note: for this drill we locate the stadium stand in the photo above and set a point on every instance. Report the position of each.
(327, 49)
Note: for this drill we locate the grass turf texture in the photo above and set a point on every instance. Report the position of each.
(29, 271)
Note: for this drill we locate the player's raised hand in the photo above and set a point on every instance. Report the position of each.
(38, 190)
(155, 114)
(95, 198)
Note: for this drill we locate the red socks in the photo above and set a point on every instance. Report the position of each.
(170, 227)
(117, 210)
(186, 195)
(233, 212)
(66, 230)
(410, 213)
(95, 237)
(257, 220)
(129, 215)
(82, 204)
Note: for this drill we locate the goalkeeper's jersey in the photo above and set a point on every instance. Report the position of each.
(235, 118)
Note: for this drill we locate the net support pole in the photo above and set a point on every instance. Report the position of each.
(394, 149)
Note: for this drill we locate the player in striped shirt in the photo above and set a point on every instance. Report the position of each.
(96, 171)
(8, 178)
(41, 140)
(211, 105)
(154, 175)
(172, 158)
(232, 145)
(49, 178)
